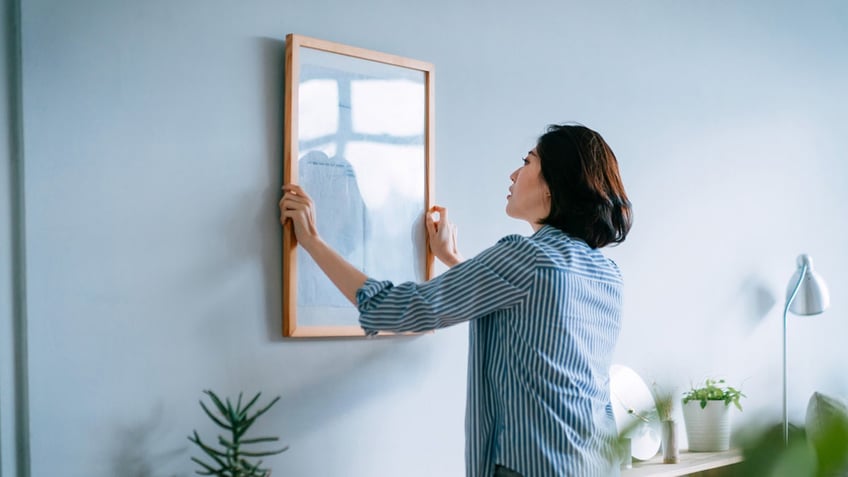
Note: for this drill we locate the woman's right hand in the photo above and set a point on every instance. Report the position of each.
(442, 235)
(297, 206)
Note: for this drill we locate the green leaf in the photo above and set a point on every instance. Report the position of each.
(713, 390)
(209, 470)
(257, 440)
(214, 453)
(220, 405)
(250, 404)
(231, 413)
(227, 443)
(263, 410)
(265, 453)
(215, 419)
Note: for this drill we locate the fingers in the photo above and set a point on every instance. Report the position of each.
(431, 225)
(294, 215)
(294, 196)
(295, 204)
(443, 217)
(443, 214)
(292, 200)
(295, 190)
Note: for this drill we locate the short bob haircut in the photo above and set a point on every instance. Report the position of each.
(587, 196)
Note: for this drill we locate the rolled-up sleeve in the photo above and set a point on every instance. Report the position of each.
(499, 277)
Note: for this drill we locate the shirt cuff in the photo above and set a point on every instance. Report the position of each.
(369, 297)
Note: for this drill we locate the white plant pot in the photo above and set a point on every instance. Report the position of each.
(707, 429)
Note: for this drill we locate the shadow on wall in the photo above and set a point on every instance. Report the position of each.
(322, 382)
(139, 451)
(248, 232)
(273, 53)
(344, 385)
(755, 300)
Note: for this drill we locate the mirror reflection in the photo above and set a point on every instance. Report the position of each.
(361, 156)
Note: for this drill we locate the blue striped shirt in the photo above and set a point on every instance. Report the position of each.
(544, 316)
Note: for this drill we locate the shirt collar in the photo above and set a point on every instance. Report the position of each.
(551, 231)
(545, 231)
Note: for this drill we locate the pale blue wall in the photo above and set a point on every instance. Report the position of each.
(153, 148)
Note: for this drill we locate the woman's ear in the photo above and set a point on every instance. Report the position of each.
(546, 200)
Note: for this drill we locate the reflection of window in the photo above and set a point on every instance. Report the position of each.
(391, 107)
(321, 117)
(376, 124)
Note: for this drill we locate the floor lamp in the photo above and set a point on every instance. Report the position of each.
(806, 294)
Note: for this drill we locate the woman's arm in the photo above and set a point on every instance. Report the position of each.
(499, 277)
(297, 206)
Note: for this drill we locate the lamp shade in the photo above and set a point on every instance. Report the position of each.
(813, 297)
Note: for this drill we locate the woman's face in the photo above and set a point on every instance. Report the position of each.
(529, 197)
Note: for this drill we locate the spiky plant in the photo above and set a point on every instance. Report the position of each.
(231, 460)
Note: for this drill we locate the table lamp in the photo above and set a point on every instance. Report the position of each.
(806, 294)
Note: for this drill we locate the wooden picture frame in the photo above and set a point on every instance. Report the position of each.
(359, 138)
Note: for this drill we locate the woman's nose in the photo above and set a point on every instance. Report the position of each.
(513, 175)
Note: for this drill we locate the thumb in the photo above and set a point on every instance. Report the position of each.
(431, 226)
(443, 214)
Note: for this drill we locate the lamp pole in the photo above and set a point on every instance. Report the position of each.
(785, 311)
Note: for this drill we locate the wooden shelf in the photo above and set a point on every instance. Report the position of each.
(688, 463)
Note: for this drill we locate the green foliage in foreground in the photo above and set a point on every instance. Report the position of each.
(231, 460)
(822, 455)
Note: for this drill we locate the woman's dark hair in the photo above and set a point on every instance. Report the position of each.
(587, 197)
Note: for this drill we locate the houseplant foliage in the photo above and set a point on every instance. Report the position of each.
(714, 390)
(706, 411)
(231, 459)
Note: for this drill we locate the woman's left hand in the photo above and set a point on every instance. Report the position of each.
(442, 235)
(298, 207)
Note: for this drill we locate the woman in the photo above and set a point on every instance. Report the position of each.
(544, 310)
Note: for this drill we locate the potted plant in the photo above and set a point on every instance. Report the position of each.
(232, 460)
(706, 412)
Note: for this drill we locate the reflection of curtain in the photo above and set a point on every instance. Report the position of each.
(340, 211)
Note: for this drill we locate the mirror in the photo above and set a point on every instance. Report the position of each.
(359, 139)
(635, 412)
